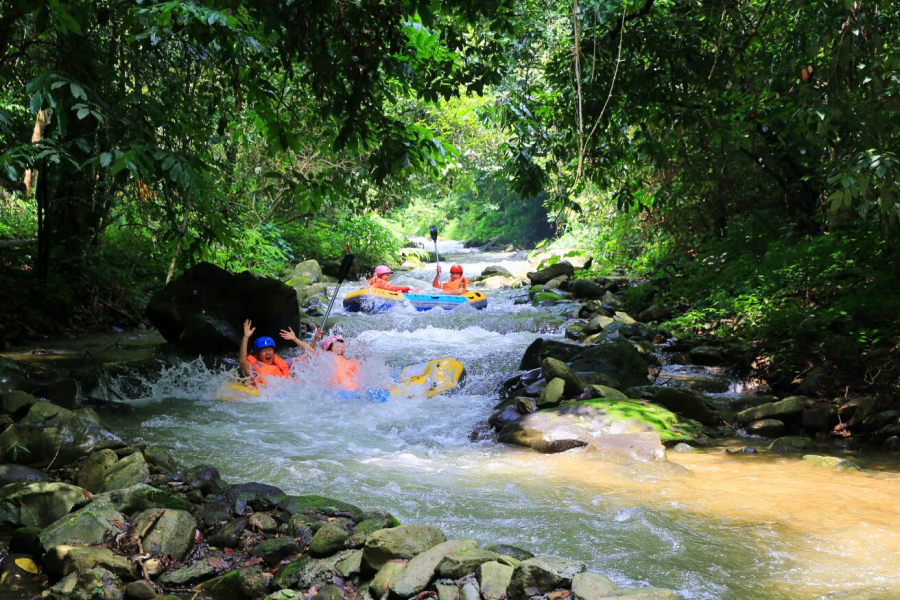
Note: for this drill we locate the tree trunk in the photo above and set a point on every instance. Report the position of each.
(43, 117)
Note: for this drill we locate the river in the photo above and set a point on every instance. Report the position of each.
(725, 526)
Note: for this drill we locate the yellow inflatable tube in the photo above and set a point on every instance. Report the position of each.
(435, 377)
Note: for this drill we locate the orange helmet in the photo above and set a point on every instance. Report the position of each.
(456, 269)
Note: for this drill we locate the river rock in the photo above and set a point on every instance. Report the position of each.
(493, 579)
(456, 565)
(20, 474)
(585, 288)
(369, 523)
(496, 270)
(551, 395)
(792, 444)
(205, 333)
(164, 531)
(317, 508)
(553, 368)
(600, 423)
(381, 582)
(90, 524)
(262, 522)
(38, 504)
(255, 496)
(831, 462)
(766, 428)
(141, 497)
(788, 410)
(654, 313)
(506, 415)
(230, 298)
(858, 413)
(308, 269)
(62, 391)
(190, 575)
(16, 402)
(141, 589)
(513, 551)
(596, 390)
(447, 591)
(598, 324)
(328, 539)
(89, 584)
(611, 301)
(275, 550)
(229, 536)
(253, 582)
(350, 566)
(206, 478)
(65, 559)
(420, 569)
(592, 586)
(618, 360)
(129, 471)
(540, 575)
(90, 474)
(304, 571)
(50, 433)
(157, 457)
(403, 542)
(683, 401)
(544, 275)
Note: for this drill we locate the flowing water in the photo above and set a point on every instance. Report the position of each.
(708, 524)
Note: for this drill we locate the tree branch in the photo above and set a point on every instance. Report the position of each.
(648, 4)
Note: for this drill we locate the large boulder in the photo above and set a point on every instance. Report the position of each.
(457, 565)
(621, 428)
(308, 269)
(140, 497)
(16, 402)
(38, 504)
(493, 270)
(52, 434)
(683, 401)
(617, 360)
(229, 298)
(402, 542)
(21, 474)
(552, 272)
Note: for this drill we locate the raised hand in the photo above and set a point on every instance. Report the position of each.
(289, 334)
(248, 328)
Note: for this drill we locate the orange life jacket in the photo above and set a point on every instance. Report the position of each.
(452, 286)
(346, 373)
(377, 282)
(279, 368)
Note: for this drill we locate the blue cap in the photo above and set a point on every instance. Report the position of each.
(263, 342)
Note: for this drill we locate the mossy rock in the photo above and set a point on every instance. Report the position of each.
(328, 539)
(575, 424)
(792, 444)
(832, 462)
(319, 506)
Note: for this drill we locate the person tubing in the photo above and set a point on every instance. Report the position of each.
(457, 284)
(380, 280)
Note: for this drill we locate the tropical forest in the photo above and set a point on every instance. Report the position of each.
(449, 300)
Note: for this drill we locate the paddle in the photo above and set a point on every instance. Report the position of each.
(437, 258)
(346, 264)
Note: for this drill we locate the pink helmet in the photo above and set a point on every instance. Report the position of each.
(329, 342)
(382, 270)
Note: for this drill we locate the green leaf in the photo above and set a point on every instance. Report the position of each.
(105, 159)
(35, 104)
(83, 112)
(77, 91)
